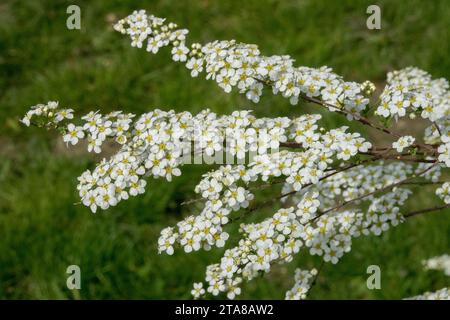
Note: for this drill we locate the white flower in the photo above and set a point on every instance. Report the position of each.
(74, 133)
(179, 53)
(443, 192)
(154, 43)
(403, 142)
(196, 65)
(198, 290)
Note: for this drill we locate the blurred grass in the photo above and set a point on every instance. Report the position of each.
(42, 232)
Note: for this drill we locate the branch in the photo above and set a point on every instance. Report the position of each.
(380, 153)
(357, 117)
(314, 281)
(415, 213)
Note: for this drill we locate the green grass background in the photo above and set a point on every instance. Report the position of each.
(42, 231)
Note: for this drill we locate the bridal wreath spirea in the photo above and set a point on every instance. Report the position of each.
(333, 184)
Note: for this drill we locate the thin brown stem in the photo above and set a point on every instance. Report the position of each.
(415, 213)
(314, 281)
(359, 118)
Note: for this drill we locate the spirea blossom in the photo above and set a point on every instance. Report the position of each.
(403, 142)
(443, 192)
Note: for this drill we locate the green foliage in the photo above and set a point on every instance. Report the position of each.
(42, 231)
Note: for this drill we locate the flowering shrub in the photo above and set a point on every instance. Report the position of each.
(336, 185)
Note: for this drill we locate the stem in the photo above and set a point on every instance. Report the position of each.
(437, 127)
(357, 117)
(314, 281)
(415, 213)
(380, 153)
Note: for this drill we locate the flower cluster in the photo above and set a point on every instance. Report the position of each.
(157, 34)
(358, 182)
(96, 128)
(48, 114)
(412, 90)
(275, 239)
(442, 294)
(438, 263)
(232, 64)
(225, 190)
(279, 238)
(158, 142)
(303, 281)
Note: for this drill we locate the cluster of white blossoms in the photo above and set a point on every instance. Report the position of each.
(279, 238)
(232, 64)
(96, 128)
(155, 32)
(335, 186)
(412, 90)
(442, 294)
(439, 133)
(226, 190)
(49, 112)
(403, 142)
(303, 280)
(274, 240)
(438, 263)
(360, 181)
(158, 142)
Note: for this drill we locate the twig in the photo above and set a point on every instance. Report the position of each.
(357, 117)
(317, 275)
(437, 127)
(415, 213)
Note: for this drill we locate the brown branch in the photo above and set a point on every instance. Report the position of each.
(415, 213)
(381, 153)
(401, 157)
(437, 127)
(314, 281)
(425, 182)
(357, 117)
